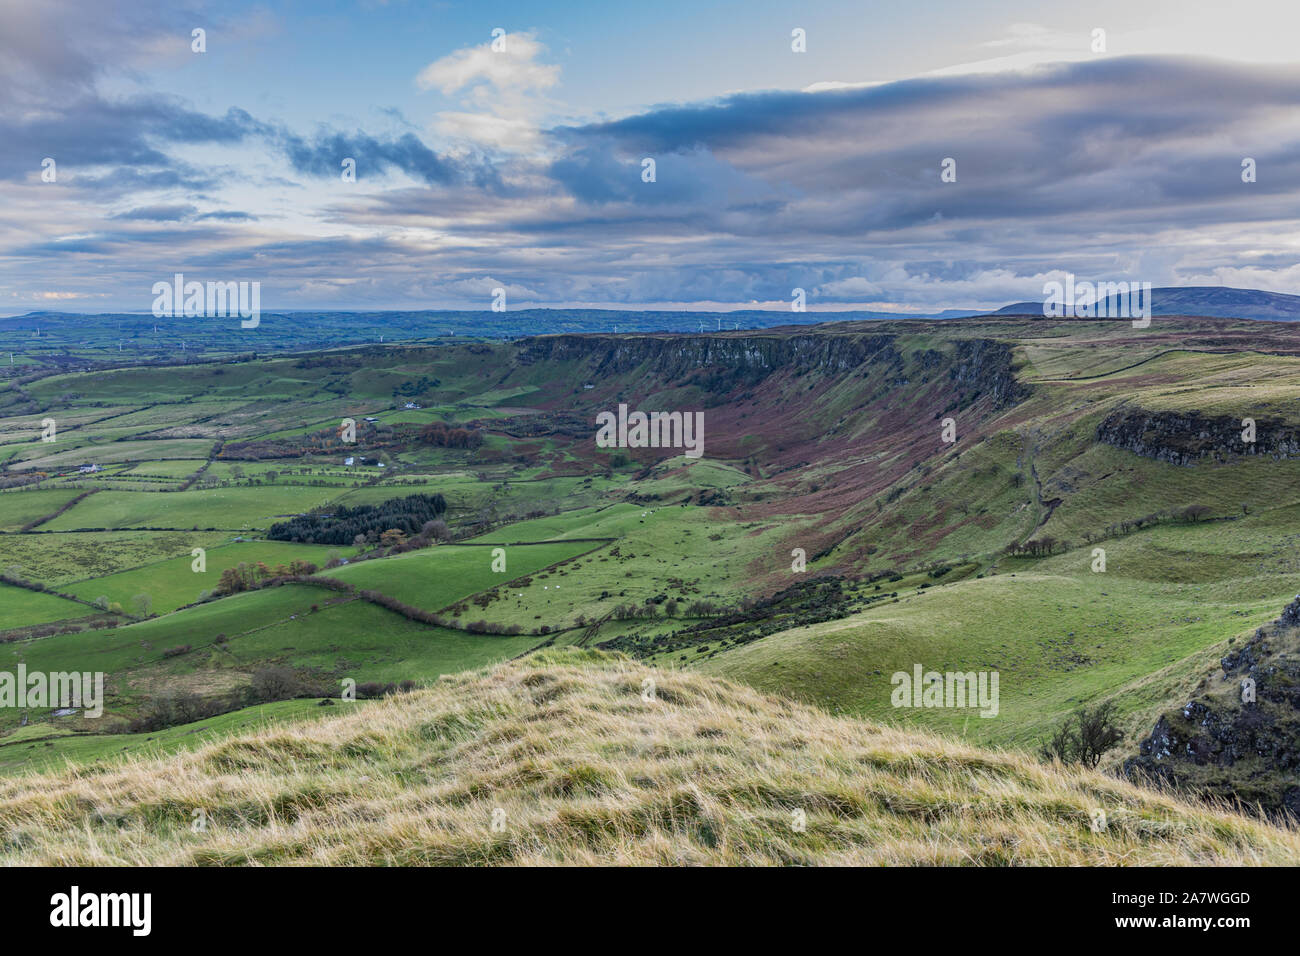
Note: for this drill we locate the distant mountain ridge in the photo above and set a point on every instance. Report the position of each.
(1212, 301)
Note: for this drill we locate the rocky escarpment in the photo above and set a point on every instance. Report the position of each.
(986, 365)
(675, 356)
(1183, 438)
(978, 367)
(1241, 739)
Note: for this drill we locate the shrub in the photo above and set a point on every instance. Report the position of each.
(1085, 736)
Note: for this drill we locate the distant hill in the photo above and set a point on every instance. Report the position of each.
(116, 336)
(1209, 300)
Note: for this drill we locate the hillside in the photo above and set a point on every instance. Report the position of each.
(579, 758)
(1095, 529)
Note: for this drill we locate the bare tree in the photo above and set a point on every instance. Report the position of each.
(1085, 736)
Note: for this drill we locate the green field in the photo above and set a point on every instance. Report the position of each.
(439, 576)
(18, 508)
(20, 607)
(172, 582)
(234, 509)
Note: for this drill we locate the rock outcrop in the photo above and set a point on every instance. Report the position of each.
(1240, 740)
(1184, 438)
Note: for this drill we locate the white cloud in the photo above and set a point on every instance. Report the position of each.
(503, 90)
(513, 68)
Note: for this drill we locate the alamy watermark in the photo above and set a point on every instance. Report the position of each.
(129, 910)
(683, 430)
(1098, 300)
(59, 689)
(923, 688)
(215, 300)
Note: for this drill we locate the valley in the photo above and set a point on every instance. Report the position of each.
(1096, 530)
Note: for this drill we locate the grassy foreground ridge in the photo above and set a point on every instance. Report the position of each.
(579, 757)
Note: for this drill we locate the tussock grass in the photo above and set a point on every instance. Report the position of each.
(586, 771)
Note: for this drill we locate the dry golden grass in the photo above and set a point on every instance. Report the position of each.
(587, 772)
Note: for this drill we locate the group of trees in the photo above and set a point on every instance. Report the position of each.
(407, 515)
(1047, 544)
(421, 386)
(1038, 547)
(442, 435)
(250, 577)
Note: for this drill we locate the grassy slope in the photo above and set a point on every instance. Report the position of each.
(579, 768)
(45, 747)
(1055, 640)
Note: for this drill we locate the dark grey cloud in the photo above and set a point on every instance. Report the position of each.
(324, 154)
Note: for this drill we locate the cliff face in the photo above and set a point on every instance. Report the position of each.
(1185, 438)
(983, 364)
(977, 366)
(676, 356)
(1242, 738)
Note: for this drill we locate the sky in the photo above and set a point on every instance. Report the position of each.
(507, 146)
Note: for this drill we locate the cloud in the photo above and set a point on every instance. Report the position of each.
(1110, 168)
(228, 215)
(324, 154)
(502, 91)
(175, 213)
(512, 68)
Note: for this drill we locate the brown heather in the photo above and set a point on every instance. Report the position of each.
(589, 773)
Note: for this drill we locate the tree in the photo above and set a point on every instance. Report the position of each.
(275, 683)
(1196, 512)
(436, 530)
(1085, 736)
(142, 603)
